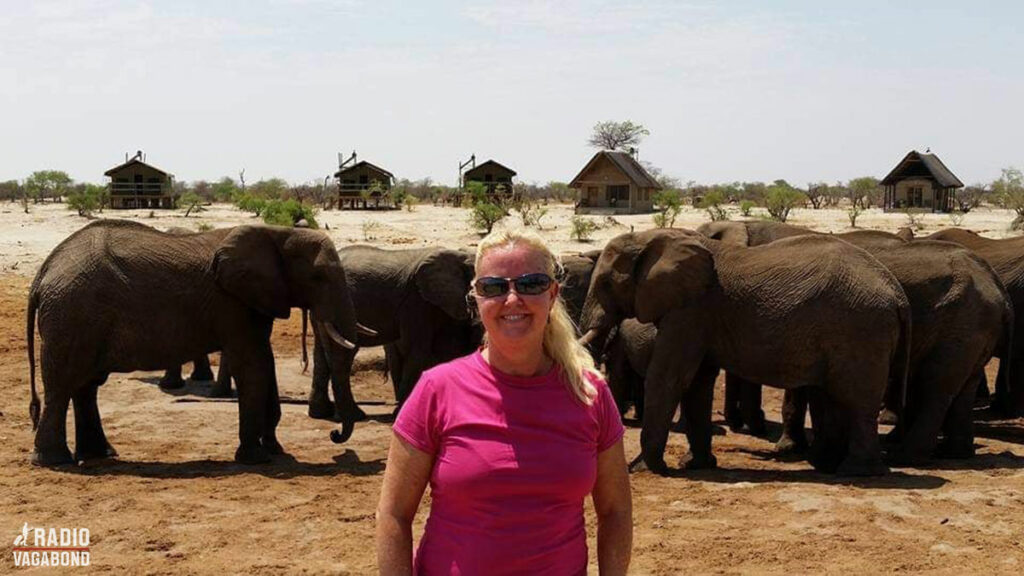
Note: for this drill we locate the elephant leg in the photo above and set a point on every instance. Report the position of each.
(90, 441)
(51, 442)
(273, 418)
(413, 366)
(858, 410)
(750, 407)
(697, 410)
(828, 448)
(253, 368)
(222, 387)
(984, 397)
(320, 405)
(201, 371)
(171, 379)
(678, 353)
(1008, 400)
(638, 396)
(733, 414)
(395, 362)
(794, 416)
(958, 428)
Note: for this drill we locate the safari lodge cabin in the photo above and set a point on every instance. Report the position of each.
(363, 185)
(614, 182)
(920, 182)
(136, 184)
(496, 177)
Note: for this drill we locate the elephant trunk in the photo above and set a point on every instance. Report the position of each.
(597, 325)
(337, 333)
(340, 437)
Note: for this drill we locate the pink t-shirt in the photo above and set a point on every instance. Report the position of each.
(514, 459)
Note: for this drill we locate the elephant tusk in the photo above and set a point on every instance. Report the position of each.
(332, 332)
(364, 331)
(589, 337)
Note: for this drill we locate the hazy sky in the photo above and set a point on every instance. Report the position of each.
(737, 90)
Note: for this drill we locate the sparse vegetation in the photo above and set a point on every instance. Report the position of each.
(915, 220)
(712, 204)
(86, 198)
(781, 198)
(204, 227)
(1009, 192)
(668, 203)
(370, 229)
(746, 206)
(191, 201)
(853, 213)
(530, 212)
(581, 229)
(288, 213)
(484, 215)
(956, 217)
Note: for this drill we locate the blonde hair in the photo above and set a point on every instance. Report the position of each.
(560, 334)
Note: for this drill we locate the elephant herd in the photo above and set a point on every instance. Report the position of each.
(848, 324)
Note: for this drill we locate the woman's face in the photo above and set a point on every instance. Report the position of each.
(515, 322)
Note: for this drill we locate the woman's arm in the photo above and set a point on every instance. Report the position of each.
(614, 506)
(405, 479)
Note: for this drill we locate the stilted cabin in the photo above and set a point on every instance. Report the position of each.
(492, 175)
(920, 182)
(614, 182)
(136, 184)
(355, 178)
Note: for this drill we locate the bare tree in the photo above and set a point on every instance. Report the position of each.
(613, 135)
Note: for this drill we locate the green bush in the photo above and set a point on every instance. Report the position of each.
(247, 202)
(288, 213)
(484, 215)
(781, 198)
(668, 203)
(853, 213)
(192, 202)
(712, 203)
(745, 207)
(582, 228)
(85, 199)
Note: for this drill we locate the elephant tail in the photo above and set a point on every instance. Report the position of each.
(900, 368)
(30, 335)
(305, 329)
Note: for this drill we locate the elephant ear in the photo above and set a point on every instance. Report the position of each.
(728, 232)
(443, 280)
(248, 266)
(671, 272)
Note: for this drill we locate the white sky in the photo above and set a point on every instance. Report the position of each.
(739, 90)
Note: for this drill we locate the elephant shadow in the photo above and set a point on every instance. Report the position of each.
(896, 479)
(1004, 430)
(1004, 460)
(284, 466)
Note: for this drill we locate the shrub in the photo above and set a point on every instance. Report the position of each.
(1009, 192)
(915, 220)
(484, 215)
(191, 200)
(853, 213)
(582, 228)
(712, 203)
(745, 207)
(288, 213)
(956, 217)
(781, 198)
(530, 212)
(247, 202)
(370, 227)
(668, 203)
(85, 199)
(204, 227)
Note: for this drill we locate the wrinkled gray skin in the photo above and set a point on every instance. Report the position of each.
(961, 315)
(415, 300)
(201, 370)
(626, 358)
(781, 314)
(1006, 256)
(119, 296)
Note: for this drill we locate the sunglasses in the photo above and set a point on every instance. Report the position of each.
(526, 285)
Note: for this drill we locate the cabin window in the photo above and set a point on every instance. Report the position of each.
(618, 194)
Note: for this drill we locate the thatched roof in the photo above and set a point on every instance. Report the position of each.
(133, 161)
(625, 163)
(489, 166)
(361, 164)
(918, 165)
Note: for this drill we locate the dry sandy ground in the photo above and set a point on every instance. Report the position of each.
(176, 503)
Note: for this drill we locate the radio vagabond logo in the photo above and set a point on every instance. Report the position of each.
(40, 546)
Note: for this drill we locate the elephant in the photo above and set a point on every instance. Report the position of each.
(1006, 256)
(627, 355)
(575, 281)
(119, 296)
(961, 315)
(415, 302)
(784, 314)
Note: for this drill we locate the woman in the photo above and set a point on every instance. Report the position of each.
(511, 440)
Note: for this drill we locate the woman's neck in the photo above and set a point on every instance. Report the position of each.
(526, 364)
